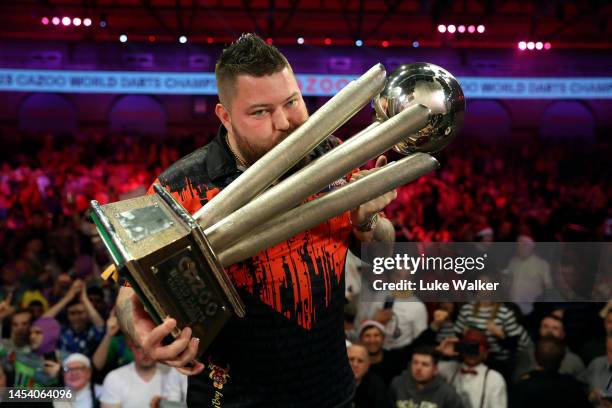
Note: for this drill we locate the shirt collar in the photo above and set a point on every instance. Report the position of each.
(220, 164)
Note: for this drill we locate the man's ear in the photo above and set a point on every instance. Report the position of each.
(223, 115)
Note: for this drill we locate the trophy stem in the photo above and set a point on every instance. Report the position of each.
(315, 212)
(316, 176)
(291, 150)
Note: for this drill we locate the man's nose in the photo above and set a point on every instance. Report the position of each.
(280, 120)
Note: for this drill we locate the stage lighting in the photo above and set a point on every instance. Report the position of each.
(66, 21)
(415, 44)
(182, 39)
(152, 38)
(327, 41)
(539, 45)
(76, 21)
(358, 43)
(385, 43)
(300, 40)
(269, 40)
(87, 22)
(471, 29)
(451, 28)
(530, 45)
(123, 38)
(55, 20)
(210, 40)
(461, 29)
(442, 28)
(522, 45)
(45, 20)
(480, 29)
(547, 46)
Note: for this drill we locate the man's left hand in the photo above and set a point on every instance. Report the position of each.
(363, 213)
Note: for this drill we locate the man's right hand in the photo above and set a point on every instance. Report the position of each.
(139, 326)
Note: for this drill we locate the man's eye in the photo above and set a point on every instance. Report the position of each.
(292, 102)
(260, 112)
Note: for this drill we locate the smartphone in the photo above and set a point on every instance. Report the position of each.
(389, 303)
(50, 356)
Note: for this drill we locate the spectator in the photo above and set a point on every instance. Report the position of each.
(477, 385)
(529, 274)
(77, 376)
(85, 325)
(372, 336)
(113, 351)
(420, 385)
(545, 387)
(136, 384)
(598, 376)
(371, 390)
(596, 347)
(20, 332)
(551, 326)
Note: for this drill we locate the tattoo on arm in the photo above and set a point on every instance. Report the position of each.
(125, 318)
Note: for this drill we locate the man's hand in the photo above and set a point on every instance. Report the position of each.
(112, 324)
(495, 330)
(76, 288)
(5, 307)
(51, 368)
(138, 326)
(447, 347)
(366, 211)
(438, 318)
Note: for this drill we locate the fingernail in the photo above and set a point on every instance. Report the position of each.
(197, 340)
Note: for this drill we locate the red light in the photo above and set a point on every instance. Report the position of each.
(522, 45)
(152, 38)
(269, 40)
(547, 46)
(451, 29)
(210, 40)
(385, 43)
(87, 22)
(461, 29)
(66, 21)
(442, 28)
(471, 29)
(327, 41)
(45, 20)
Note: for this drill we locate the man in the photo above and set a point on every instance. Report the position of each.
(289, 350)
(77, 376)
(85, 325)
(598, 376)
(596, 347)
(371, 390)
(477, 385)
(421, 386)
(545, 386)
(382, 362)
(551, 326)
(20, 332)
(134, 385)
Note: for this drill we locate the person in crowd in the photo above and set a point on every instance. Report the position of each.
(371, 390)
(596, 346)
(545, 386)
(598, 376)
(477, 385)
(77, 376)
(113, 350)
(21, 321)
(421, 385)
(134, 385)
(85, 325)
(550, 326)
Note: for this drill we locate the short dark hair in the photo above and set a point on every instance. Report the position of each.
(428, 350)
(549, 353)
(248, 55)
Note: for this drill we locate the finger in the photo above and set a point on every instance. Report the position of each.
(173, 349)
(381, 161)
(189, 354)
(155, 336)
(196, 369)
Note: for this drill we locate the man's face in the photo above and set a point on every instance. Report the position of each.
(423, 368)
(472, 360)
(263, 111)
(552, 327)
(359, 359)
(36, 337)
(20, 328)
(141, 359)
(77, 317)
(373, 340)
(77, 375)
(62, 283)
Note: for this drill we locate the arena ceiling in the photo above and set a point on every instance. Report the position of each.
(567, 24)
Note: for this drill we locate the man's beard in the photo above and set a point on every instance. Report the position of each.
(251, 153)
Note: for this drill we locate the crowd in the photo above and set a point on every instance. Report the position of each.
(58, 324)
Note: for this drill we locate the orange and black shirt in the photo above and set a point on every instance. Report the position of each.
(289, 350)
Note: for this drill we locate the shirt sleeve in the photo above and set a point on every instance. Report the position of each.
(496, 391)
(111, 389)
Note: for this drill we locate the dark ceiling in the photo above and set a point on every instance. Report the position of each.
(566, 24)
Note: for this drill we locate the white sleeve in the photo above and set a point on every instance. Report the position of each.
(174, 386)
(497, 396)
(111, 389)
